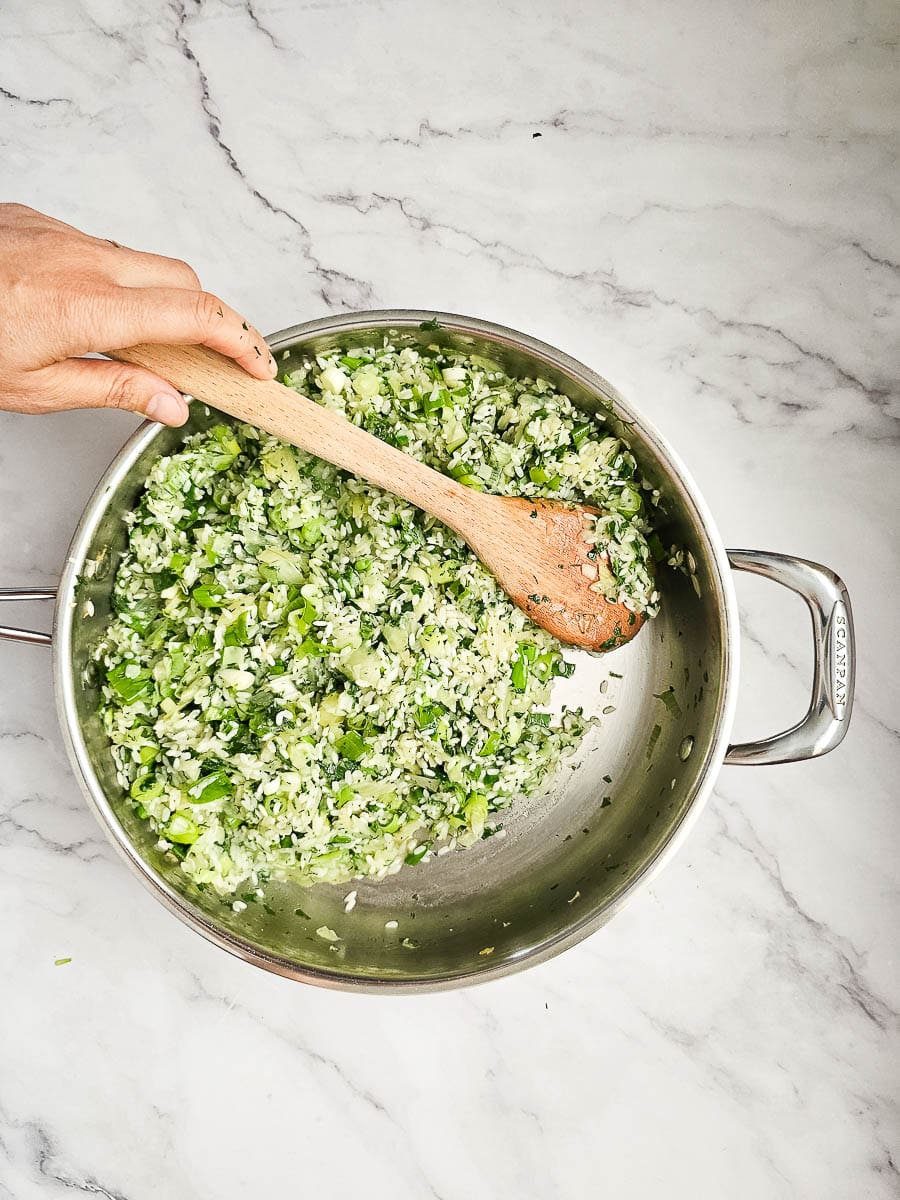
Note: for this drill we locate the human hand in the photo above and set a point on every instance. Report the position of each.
(64, 294)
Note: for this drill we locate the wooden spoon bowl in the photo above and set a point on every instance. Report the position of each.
(539, 553)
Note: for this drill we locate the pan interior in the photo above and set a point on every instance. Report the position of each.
(567, 855)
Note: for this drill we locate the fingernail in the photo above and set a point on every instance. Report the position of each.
(167, 408)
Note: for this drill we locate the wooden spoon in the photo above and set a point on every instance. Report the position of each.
(535, 549)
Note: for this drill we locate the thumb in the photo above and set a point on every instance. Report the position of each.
(97, 383)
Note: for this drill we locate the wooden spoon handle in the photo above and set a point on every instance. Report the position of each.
(294, 418)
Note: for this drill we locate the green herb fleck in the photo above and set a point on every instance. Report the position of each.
(669, 700)
(653, 739)
(351, 746)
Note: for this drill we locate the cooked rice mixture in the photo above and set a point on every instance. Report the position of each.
(307, 677)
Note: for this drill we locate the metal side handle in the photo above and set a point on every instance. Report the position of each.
(37, 638)
(834, 671)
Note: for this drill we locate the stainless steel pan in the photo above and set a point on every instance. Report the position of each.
(569, 859)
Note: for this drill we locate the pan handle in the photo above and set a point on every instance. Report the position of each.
(834, 671)
(7, 633)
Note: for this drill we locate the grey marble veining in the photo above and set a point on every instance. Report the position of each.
(709, 217)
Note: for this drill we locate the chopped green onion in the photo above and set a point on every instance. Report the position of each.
(300, 619)
(210, 787)
(491, 743)
(629, 501)
(182, 829)
(475, 812)
(310, 648)
(351, 746)
(539, 475)
(670, 700)
(147, 787)
(236, 634)
(539, 718)
(653, 739)
(519, 675)
(202, 640)
(207, 597)
(581, 433)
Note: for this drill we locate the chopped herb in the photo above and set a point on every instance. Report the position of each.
(653, 739)
(210, 787)
(669, 700)
(207, 597)
(492, 743)
(237, 634)
(181, 828)
(581, 433)
(131, 685)
(520, 669)
(351, 746)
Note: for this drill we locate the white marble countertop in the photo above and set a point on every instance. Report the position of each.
(709, 217)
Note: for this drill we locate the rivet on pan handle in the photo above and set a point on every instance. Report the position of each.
(828, 716)
(36, 637)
